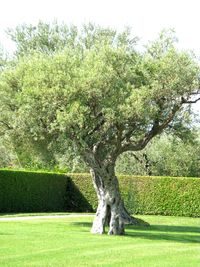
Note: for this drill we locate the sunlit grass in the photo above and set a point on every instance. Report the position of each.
(170, 241)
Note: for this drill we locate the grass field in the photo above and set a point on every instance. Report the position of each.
(170, 241)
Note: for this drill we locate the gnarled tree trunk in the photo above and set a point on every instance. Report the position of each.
(109, 203)
(110, 209)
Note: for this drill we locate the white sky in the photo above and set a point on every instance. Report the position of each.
(146, 17)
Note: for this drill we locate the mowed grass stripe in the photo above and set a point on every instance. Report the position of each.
(170, 241)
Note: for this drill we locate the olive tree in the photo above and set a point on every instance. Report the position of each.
(104, 98)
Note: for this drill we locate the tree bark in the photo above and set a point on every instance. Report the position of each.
(111, 208)
(109, 203)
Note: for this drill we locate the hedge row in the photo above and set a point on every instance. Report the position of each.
(34, 192)
(151, 195)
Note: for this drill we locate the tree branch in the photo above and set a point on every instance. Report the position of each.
(7, 125)
(156, 129)
(197, 92)
(185, 101)
(101, 123)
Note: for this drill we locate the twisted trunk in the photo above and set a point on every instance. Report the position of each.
(111, 208)
(109, 202)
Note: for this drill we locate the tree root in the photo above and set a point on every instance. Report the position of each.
(128, 219)
(136, 221)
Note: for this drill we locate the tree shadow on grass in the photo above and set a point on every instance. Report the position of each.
(175, 233)
(165, 236)
(8, 214)
(167, 228)
(181, 234)
(180, 238)
(83, 224)
(5, 233)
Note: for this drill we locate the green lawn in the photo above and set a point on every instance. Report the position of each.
(9, 215)
(170, 241)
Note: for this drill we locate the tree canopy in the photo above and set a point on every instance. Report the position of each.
(103, 92)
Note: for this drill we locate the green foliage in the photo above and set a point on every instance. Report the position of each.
(44, 38)
(161, 195)
(166, 155)
(39, 191)
(86, 188)
(151, 195)
(92, 89)
(8, 158)
(173, 157)
(50, 38)
(3, 58)
(30, 191)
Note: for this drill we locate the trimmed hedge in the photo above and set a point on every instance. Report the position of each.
(34, 192)
(151, 195)
(162, 195)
